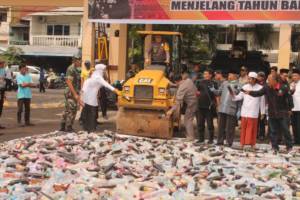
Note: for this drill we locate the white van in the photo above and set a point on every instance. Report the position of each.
(33, 71)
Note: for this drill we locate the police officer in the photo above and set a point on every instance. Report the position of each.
(159, 52)
(72, 96)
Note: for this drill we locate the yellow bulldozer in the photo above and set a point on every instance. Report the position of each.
(145, 100)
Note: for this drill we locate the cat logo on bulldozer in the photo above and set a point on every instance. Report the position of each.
(145, 80)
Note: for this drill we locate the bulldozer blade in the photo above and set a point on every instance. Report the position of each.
(144, 123)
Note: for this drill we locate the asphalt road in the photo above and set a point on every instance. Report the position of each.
(46, 112)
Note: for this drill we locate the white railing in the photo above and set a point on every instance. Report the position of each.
(49, 40)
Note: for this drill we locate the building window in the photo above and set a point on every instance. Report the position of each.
(58, 29)
(79, 28)
(26, 36)
(3, 15)
(49, 30)
(295, 41)
(225, 37)
(66, 30)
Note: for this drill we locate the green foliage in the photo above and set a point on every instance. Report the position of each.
(199, 41)
(12, 56)
(195, 47)
(262, 33)
(135, 45)
(212, 32)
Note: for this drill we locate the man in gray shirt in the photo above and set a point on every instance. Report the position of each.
(227, 108)
(186, 93)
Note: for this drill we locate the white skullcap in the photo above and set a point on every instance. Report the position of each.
(252, 75)
(100, 67)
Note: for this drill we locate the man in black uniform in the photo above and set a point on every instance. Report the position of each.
(206, 106)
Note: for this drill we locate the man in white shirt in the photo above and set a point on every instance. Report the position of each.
(295, 89)
(250, 110)
(90, 97)
(8, 77)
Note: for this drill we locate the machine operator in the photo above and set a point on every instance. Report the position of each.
(159, 52)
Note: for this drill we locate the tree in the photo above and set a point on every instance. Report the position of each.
(212, 32)
(12, 55)
(199, 41)
(136, 45)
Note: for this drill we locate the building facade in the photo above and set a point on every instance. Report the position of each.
(43, 35)
(56, 28)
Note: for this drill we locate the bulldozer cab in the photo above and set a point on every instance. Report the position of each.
(174, 40)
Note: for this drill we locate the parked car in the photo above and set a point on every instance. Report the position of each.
(33, 71)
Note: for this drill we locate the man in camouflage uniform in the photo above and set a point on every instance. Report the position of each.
(72, 95)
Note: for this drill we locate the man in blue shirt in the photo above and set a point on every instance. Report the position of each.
(24, 95)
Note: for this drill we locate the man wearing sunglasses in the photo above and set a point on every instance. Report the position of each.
(243, 75)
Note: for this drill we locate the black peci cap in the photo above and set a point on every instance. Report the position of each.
(233, 71)
(284, 71)
(274, 68)
(296, 71)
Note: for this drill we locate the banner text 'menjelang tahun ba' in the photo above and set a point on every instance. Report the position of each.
(235, 5)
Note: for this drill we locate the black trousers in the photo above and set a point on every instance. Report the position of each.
(89, 120)
(8, 84)
(296, 126)
(42, 86)
(25, 102)
(2, 94)
(276, 126)
(202, 116)
(103, 101)
(226, 128)
(262, 127)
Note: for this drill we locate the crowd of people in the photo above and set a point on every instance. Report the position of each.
(250, 101)
(262, 106)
